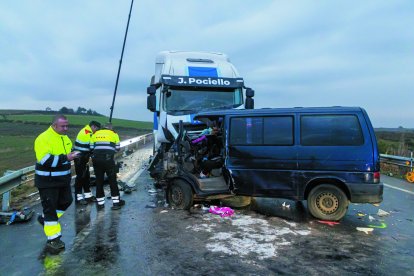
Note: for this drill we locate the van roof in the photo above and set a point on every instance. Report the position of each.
(268, 111)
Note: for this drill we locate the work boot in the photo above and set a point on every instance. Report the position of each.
(100, 206)
(55, 245)
(90, 199)
(81, 202)
(118, 205)
(41, 220)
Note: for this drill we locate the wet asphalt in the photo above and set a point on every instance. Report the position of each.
(270, 237)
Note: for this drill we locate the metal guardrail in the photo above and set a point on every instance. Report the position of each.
(398, 166)
(16, 178)
(398, 160)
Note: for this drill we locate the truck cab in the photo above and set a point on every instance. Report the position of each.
(184, 84)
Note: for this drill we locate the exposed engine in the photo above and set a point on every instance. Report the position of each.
(197, 152)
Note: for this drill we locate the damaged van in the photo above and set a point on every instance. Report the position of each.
(327, 156)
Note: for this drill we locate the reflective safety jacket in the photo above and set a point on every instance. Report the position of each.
(105, 141)
(52, 167)
(83, 140)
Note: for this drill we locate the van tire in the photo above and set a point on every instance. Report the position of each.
(180, 195)
(327, 202)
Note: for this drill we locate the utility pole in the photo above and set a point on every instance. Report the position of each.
(120, 63)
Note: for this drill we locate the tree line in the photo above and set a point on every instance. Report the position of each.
(79, 110)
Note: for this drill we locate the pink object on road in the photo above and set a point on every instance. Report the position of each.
(222, 211)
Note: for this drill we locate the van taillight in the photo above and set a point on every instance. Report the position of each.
(377, 177)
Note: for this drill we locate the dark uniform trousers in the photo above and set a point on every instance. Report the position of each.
(82, 174)
(53, 200)
(105, 164)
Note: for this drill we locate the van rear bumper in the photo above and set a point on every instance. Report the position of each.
(366, 193)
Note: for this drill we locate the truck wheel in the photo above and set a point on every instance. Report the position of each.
(237, 201)
(180, 195)
(327, 202)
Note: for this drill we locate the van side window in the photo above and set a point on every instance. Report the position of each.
(330, 130)
(246, 131)
(277, 130)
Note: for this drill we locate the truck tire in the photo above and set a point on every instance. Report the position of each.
(327, 202)
(180, 195)
(237, 201)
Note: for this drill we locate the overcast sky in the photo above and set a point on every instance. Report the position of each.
(292, 53)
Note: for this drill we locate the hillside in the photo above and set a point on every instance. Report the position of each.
(19, 128)
(395, 129)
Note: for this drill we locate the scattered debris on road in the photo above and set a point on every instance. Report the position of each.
(366, 230)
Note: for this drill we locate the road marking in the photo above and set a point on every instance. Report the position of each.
(392, 187)
(138, 174)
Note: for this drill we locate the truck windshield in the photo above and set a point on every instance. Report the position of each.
(176, 100)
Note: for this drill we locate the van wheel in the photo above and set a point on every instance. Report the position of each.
(180, 195)
(327, 202)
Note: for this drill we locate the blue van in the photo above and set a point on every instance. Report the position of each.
(326, 155)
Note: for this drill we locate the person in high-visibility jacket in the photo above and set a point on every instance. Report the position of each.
(82, 181)
(52, 178)
(104, 144)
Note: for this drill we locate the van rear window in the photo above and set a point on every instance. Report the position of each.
(272, 130)
(330, 130)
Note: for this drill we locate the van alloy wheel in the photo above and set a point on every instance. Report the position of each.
(327, 202)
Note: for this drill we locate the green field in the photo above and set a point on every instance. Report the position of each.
(78, 120)
(18, 132)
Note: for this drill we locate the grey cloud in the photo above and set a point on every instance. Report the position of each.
(293, 53)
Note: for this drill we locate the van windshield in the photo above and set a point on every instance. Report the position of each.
(187, 101)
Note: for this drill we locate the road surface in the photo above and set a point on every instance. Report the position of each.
(271, 237)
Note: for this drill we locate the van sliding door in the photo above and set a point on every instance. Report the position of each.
(262, 155)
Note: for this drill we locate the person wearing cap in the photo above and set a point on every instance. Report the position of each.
(82, 181)
(104, 144)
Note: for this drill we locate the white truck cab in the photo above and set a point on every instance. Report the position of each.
(186, 83)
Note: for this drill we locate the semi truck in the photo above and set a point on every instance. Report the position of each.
(184, 84)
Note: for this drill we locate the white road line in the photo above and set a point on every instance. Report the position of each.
(138, 174)
(392, 187)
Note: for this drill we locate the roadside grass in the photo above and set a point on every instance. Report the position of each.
(16, 152)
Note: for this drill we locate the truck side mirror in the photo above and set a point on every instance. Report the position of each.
(151, 90)
(151, 98)
(249, 98)
(249, 92)
(249, 103)
(151, 103)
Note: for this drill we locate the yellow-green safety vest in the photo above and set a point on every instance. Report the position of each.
(52, 168)
(82, 142)
(105, 141)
